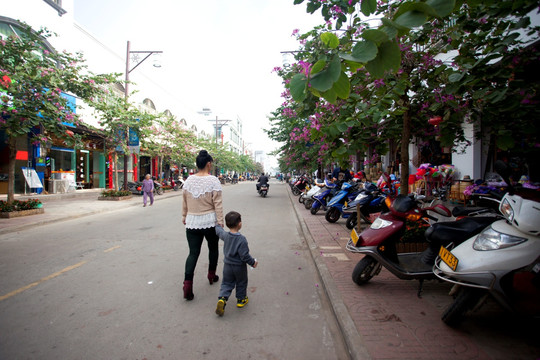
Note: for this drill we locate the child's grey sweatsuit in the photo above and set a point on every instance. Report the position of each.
(236, 256)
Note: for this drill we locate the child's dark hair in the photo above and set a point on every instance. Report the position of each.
(232, 219)
(202, 159)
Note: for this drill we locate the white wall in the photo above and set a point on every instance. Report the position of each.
(470, 161)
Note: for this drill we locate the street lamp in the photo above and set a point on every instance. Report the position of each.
(126, 96)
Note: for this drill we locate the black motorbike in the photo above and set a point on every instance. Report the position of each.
(263, 190)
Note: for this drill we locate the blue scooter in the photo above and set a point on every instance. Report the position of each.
(370, 200)
(321, 199)
(347, 193)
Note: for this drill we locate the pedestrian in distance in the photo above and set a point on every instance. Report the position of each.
(148, 189)
(202, 210)
(236, 256)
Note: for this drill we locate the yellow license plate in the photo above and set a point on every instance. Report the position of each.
(354, 237)
(448, 258)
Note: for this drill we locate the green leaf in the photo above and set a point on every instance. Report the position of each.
(377, 36)
(368, 7)
(318, 66)
(330, 96)
(296, 2)
(411, 19)
(298, 87)
(312, 7)
(505, 141)
(415, 6)
(455, 77)
(342, 87)
(442, 7)
(401, 30)
(329, 39)
(388, 58)
(335, 68)
(321, 81)
(390, 31)
(364, 51)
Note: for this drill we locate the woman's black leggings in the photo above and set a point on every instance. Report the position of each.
(195, 239)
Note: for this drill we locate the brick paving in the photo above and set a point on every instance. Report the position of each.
(393, 323)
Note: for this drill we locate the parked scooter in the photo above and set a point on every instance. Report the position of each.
(307, 196)
(502, 262)
(371, 201)
(379, 241)
(348, 192)
(158, 188)
(174, 184)
(320, 200)
(299, 185)
(135, 187)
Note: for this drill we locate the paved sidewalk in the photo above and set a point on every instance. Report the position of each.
(61, 207)
(384, 319)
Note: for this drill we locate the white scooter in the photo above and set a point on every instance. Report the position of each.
(307, 196)
(503, 261)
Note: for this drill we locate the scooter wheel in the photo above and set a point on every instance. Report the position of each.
(465, 300)
(159, 191)
(301, 199)
(295, 191)
(366, 268)
(308, 203)
(332, 215)
(175, 188)
(314, 211)
(351, 221)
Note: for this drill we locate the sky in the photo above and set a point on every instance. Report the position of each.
(217, 54)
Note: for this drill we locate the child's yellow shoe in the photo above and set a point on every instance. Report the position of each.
(242, 302)
(220, 308)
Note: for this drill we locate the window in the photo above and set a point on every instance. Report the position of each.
(57, 5)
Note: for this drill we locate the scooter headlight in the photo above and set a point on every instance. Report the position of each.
(490, 239)
(380, 223)
(507, 210)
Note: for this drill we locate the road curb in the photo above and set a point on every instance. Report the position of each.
(354, 342)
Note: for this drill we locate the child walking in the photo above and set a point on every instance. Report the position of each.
(236, 253)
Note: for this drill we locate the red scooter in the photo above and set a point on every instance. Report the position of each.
(379, 241)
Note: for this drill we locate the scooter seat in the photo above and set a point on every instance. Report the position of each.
(458, 231)
(465, 211)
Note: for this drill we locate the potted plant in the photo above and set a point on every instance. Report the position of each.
(20, 208)
(115, 195)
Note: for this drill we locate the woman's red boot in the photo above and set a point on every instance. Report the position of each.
(212, 277)
(188, 290)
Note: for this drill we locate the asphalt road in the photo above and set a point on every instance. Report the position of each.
(108, 286)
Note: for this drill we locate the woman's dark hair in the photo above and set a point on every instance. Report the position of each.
(232, 219)
(203, 158)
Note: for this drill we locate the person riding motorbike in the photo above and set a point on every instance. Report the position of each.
(263, 180)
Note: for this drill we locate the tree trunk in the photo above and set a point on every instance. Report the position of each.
(11, 169)
(404, 187)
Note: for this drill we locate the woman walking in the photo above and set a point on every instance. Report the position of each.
(202, 210)
(148, 189)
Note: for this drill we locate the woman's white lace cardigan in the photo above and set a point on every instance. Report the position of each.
(205, 191)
